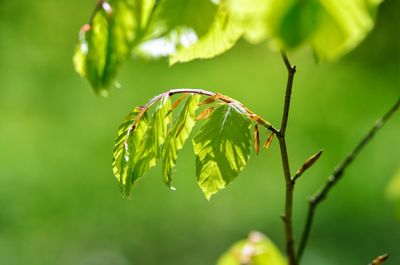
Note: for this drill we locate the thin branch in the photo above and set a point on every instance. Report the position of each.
(337, 175)
(291, 72)
(287, 216)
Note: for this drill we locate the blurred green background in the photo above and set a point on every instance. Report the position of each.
(59, 201)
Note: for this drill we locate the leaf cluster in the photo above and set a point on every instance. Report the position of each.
(184, 30)
(158, 130)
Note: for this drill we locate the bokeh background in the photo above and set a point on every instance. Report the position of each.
(59, 201)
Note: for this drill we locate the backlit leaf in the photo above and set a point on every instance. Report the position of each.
(137, 149)
(343, 24)
(220, 37)
(222, 148)
(257, 249)
(331, 27)
(125, 143)
(177, 136)
(106, 43)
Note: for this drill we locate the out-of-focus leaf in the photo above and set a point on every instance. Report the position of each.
(393, 189)
(177, 136)
(220, 37)
(331, 27)
(175, 24)
(251, 15)
(343, 24)
(194, 14)
(106, 43)
(139, 143)
(292, 22)
(257, 249)
(222, 148)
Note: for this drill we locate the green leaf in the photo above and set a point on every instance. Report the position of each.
(129, 138)
(331, 27)
(343, 25)
(194, 14)
(251, 15)
(138, 144)
(293, 22)
(222, 148)
(107, 41)
(177, 136)
(176, 24)
(221, 36)
(256, 250)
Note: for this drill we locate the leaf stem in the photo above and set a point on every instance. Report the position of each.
(337, 175)
(290, 183)
(217, 96)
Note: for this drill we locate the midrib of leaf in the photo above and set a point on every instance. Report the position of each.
(222, 148)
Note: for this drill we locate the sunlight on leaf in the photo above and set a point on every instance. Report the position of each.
(331, 27)
(343, 24)
(221, 36)
(257, 249)
(138, 144)
(222, 148)
(177, 136)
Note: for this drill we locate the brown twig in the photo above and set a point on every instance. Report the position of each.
(337, 175)
(287, 216)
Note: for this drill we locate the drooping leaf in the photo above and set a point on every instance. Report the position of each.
(125, 143)
(107, 41)
(257, 249)
(177, 137)
(105, 44)
(138, 147)
(222, 148)
(220, 37)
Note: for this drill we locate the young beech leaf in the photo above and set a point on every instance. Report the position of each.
(125, 143)
(222, 148)
(177, 136)
(257, 249)
(137, 148)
